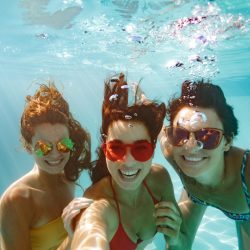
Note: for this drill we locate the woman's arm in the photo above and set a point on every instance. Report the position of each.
(15, 218)
(93, 227)
(243, 228)
(181, 222)
(192, 215)
(66, 245)
(167, 212)
(70, 213)
(243, 233)
(72, 210)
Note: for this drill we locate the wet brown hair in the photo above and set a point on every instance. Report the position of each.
(47, 105)
(204, 94)
(116, 107)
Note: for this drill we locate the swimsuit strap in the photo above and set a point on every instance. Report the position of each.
(117, 203)
(120, 221)
(243, 178)
(150, 192)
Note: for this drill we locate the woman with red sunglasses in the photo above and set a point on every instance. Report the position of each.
(198, 144)
(134, 198)
(31, 208)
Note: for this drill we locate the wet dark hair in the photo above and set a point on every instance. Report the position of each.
(48, 106)
(206, 95)
(115, 107)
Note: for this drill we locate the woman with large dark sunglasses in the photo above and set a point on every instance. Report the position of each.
(31, 208)
(198, 144)
(134, 198)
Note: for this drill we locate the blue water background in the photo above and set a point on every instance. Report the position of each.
(78, 43)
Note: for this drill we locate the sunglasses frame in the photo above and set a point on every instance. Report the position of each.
(221, 134)
(67, 142)
(125, 146)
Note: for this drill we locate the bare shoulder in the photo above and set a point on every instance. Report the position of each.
(234, 159)
(160, 173)
(16, 214)
(100, 190)
(160, 183)
(17, 192)
(103, 195)
(16, 199)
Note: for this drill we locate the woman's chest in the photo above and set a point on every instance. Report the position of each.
(139, 224)
(48, 206)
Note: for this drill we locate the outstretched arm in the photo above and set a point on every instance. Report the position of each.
(70, 212)
(93, 227)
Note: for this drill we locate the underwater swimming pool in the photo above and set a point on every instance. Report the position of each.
(78, 43)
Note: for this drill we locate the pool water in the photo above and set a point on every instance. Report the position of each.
(79, 43)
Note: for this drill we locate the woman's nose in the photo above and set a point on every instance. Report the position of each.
(192, 144)
(54, 152)
(128, 158)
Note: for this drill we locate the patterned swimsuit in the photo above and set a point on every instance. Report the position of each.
(234, 216)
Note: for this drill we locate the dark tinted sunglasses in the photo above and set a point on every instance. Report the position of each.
(116, 150)
(210, 137)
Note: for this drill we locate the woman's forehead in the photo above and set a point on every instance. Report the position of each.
(127, 129)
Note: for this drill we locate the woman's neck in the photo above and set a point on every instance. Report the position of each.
(128, 197)
(214, 177)
(49, 181)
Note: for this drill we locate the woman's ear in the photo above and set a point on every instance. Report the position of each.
(228, 143)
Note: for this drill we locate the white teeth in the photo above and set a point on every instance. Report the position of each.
(54, 162)
(129, 172)
(190, 158)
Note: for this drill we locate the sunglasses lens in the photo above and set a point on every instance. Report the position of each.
(65, 145)
(114, 151)
(209, 137)
(142, 151)
(177, 136)
(42, 149)
(62, 148)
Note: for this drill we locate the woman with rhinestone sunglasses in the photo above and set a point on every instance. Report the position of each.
(31, 208)
(134, 198)
(198, 144)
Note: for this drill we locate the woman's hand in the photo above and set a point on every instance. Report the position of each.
(168, 221)
(72, 210)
